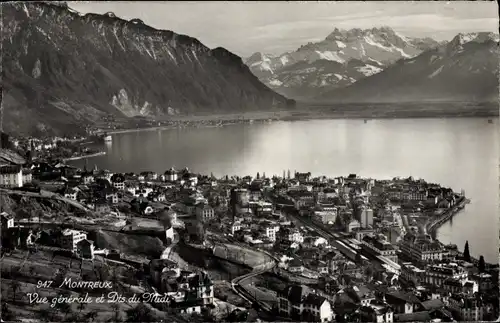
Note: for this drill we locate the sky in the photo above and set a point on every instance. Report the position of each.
(275, 27)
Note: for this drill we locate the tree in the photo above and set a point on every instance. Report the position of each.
(31, 271)
(358, 258)
(15, 285)
(116, 313)
(115, 278)
(369, 273)
(81, 306)
(91, 315)
(140, 313)
(200, 231)
(6, 314)
(258, 175)
(466, 251)
(64, 307)
(45, 315)
(481, 264)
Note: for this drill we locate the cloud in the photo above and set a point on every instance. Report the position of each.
(277, 27)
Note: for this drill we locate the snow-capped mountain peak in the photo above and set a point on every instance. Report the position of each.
(315, 64)
(456, 45)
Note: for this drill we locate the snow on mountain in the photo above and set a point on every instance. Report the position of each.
(369, 70)
(329, 56)
(464, 69)
(376, 48)
(306, 79)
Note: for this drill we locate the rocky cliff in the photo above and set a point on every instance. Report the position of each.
(63, 70)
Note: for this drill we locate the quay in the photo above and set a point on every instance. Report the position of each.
(101, 153)
(446, 216)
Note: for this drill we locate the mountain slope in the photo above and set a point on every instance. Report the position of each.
(61, 67)
(465, 69)
(372, 49)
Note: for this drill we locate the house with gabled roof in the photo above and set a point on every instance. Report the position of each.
(300, 303)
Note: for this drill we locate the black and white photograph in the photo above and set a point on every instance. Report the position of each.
(249, 161)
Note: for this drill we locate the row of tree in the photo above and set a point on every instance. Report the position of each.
(466, 257)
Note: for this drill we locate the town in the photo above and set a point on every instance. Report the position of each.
(281, 247)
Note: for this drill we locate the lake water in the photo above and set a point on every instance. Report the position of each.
(458, 153)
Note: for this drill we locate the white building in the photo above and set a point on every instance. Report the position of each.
(7, 220)
(366, 220)
(438, 274)
(11, 176)
(169, 233)
(204, 212)
(299, 303)
(380, 246)
(70, 238)
(171, 175)
(270, 231)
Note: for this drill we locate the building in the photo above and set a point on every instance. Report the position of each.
(299, 303)
(11, 176)
(380, 246)
(303, 177)
(270, 230)
(88, 178)
(302, 198)
(327, 214)
(366, 218)
(352, 225)
(361, 233)
(460, 286)
(264, 209)
(71, 193)
(437, 274)
(188, 291)
(171, 175)
(421, 248)
(204, 212)
(112, 197)
(27, 176)
(402, 302)
(376, 312)
(467, 308)
(85, 248)
(235, 227)
(117, 181)
(169, 233)
(291, 234)
(411, 273)
(101, 206)
(7, 221)
(69, 239)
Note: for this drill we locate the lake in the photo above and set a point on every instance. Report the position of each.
(461, 153)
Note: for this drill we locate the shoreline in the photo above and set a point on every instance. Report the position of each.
(290, 116)
(101, 153)
(433, 227)
(447, 215)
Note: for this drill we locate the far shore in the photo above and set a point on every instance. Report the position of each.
(321, 114)
(101, 153)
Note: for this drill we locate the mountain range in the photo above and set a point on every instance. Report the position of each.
(381, 65)
(339, 60)
(465, 69)
(63, 70)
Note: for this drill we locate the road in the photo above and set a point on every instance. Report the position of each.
(47, 195)
(238, 288)
(237, 283)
